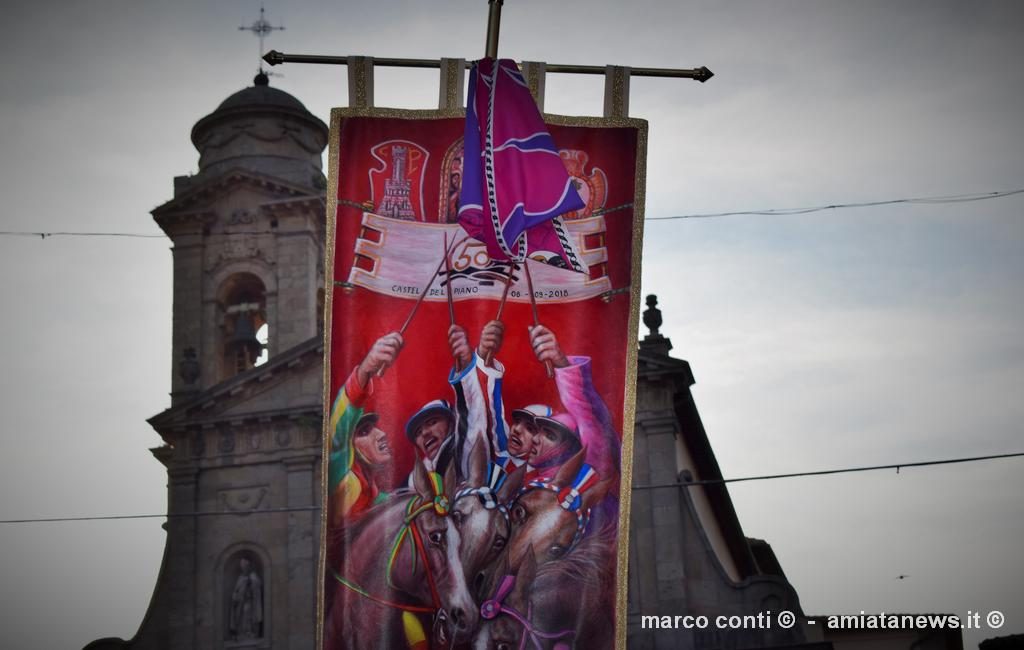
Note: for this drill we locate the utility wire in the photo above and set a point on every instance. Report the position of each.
(766, 477)
(174, 515)
(44, 235)
(824, 472)
(136, 235)
(930, 200)
(925, 200)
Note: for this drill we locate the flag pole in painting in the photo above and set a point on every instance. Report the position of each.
(469, 498)
(514, 187)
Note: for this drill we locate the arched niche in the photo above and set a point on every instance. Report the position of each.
(243, 590)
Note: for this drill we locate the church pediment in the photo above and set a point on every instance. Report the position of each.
(655, 365)
(289, 384)
(198, 202)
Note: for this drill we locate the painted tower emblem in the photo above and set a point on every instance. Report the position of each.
(397, 183)
(592, 184)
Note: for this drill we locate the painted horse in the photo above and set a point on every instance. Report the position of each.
(480, 511)
(552, 516)
(562, 604)
(396, 566)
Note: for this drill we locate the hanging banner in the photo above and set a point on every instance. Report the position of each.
(478, 464)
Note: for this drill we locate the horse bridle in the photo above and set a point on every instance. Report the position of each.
(488, 493)
(495, 607)
(416, 506)
(488, 499)
(582, 515)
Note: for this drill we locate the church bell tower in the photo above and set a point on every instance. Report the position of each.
(248, 234)
(242, 433)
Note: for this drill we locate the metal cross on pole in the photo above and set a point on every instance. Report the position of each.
(261, 28)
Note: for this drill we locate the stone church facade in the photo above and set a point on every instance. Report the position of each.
(243, 432)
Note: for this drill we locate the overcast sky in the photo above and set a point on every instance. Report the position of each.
(838, 338)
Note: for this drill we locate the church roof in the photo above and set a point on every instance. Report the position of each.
(261, 94)
(258, 98)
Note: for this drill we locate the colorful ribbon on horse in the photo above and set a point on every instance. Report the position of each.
(413, 509)
(488, 494)
(569, 497)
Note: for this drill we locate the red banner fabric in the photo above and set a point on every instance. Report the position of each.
(455, 514)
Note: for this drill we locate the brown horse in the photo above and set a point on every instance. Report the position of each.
(540, 520)
(400, 560)
(480, 511)
(564, 603)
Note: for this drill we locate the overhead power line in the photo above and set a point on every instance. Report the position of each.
(175, 515)
(930, 200)
(136, 235)
(825, 472)
(44, 235)
(921, 200)
(766, 477)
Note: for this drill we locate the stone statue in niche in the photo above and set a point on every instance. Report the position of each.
(245, 620)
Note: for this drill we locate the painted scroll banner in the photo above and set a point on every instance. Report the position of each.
(471, 500)
(398, 254)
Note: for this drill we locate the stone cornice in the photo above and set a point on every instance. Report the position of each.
(196, 200)
(207, 408)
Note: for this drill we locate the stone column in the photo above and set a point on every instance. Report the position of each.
(186, 331)
(298, 262)
(302, 552)
(181, 559)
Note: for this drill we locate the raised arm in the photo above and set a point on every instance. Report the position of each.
(348, 404)
(579, 397)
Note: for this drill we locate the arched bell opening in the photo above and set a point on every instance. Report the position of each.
(245, 332)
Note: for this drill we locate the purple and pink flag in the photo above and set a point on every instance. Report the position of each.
(514, 186)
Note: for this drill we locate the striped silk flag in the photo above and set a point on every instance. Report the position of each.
(514, 186)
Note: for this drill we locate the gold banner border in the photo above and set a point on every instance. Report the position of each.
(629, 401)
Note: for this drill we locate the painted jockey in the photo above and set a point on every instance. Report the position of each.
(359, 455)
(479, 396)
(518, 447)
(443, 436)
(557, 439)
(586, 422)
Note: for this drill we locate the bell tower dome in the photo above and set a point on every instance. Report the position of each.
(264, 129)
(248, 232)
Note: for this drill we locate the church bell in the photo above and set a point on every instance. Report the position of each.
(244, 337)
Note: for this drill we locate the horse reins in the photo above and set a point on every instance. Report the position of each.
(496, 606)
(413, 509)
